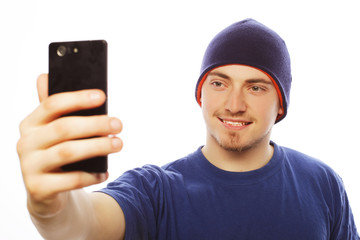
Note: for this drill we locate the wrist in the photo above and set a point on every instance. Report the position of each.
(48, 208)
(72, 218)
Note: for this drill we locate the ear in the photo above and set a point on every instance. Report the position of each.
(281, 111)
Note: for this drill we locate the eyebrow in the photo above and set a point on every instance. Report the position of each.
(259, 80)
(252, 80)
(222, 75)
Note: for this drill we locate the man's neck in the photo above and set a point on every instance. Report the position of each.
(238, 161)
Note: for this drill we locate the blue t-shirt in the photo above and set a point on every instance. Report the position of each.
(292, 197)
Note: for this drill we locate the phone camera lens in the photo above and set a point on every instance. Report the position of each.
(61, 51)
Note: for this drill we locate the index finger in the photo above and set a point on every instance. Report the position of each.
(42, 85)
(60, 104)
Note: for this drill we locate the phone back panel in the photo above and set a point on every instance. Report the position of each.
(76, 66)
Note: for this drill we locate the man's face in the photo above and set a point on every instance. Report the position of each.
(240, 105)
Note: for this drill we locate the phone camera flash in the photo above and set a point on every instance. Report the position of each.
(76, 50)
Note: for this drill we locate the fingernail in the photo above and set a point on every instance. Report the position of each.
(94, 96)
(115, 124)
(116, 143)
(101, 177)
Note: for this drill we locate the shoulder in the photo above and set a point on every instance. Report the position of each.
(314, 179)
(185, 163)
(150, 173)
(322, 184)
(310, 168)
(304, 161)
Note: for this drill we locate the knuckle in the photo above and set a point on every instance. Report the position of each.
(29, 165)
(60, 128)
(22, 144)
(100, 146)
(33, 187)
(22, 126)
(100, 124)
(77, 180)
(64, 152)
(49, 104)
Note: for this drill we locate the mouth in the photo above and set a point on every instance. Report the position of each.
(234, 124)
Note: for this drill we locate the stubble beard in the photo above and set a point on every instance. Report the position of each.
(234, 142)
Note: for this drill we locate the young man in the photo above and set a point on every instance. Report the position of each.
(239, 185)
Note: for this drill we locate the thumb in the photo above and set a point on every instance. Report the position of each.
(42, 86)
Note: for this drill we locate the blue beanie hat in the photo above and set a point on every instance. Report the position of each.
(250, 43)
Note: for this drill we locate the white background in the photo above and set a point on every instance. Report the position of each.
(155, 51)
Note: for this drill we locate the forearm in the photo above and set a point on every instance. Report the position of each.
(75, 221)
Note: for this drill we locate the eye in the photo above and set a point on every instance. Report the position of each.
(257, 89)
(217, 84)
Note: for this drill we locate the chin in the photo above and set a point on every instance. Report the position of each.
(236, 147)
(232, 142)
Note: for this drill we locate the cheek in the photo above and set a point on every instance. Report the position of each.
(209, 105)
(267, 107)
(270, 110)
(210, 98)
(206, 108)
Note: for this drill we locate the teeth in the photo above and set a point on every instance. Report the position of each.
(236, 124)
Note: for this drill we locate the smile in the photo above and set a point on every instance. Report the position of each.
(237, 124)
(234, 124)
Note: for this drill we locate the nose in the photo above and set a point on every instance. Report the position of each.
(236, 102)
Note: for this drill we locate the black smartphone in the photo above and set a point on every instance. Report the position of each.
(75, 66)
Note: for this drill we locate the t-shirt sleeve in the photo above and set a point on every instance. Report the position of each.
(139, 194)
(343, 226)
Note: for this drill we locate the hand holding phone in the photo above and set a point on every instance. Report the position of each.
(48, 142)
